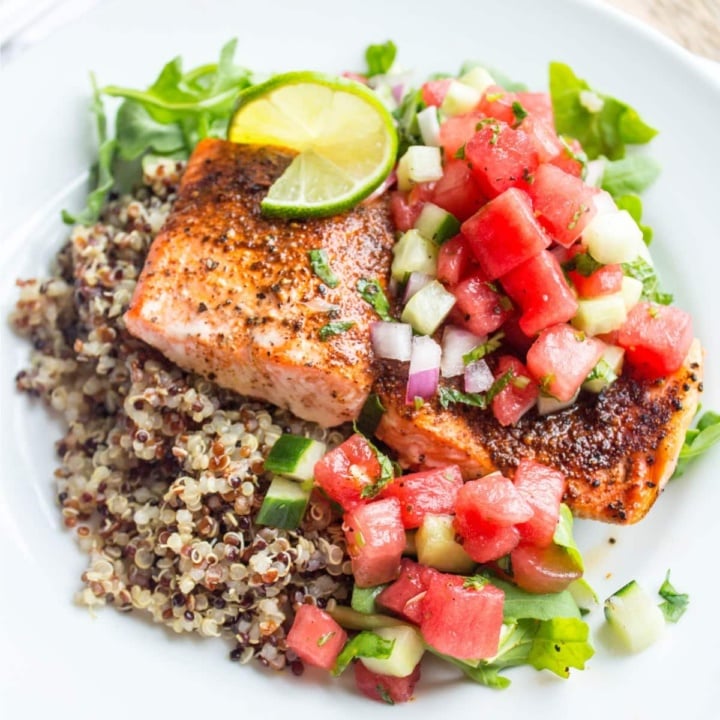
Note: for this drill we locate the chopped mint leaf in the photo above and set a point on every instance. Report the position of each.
(674, 603)
(449, 396)
(480, 351)
(371, 292)
(320, 264)
(641, 270)
(334, 328)
(365, 644)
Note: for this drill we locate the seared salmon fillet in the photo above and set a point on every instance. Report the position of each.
(617, 450)
(231, 294)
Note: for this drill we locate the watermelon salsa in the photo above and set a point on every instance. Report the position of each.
(522, 282)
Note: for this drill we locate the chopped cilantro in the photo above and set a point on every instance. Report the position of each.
(448, 396)
(334, 328)
(480, 351)
(519, 112)
(320, 264)
(371, 292)
(674, 603)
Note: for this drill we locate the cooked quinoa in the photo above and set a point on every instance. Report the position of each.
(161, 471)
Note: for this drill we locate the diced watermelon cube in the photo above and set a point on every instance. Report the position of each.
(375, 539)
(518, 396)
(429, 491)
(562, 202)
(462, 618)
(542, 487)
(547, 569)
(561, 358)
(315, 637)
(455, 261)
(504, 233)
(385, 688)
(539, 287)
(404, 595)
(656, 339)
(479, 307)
(457, 190)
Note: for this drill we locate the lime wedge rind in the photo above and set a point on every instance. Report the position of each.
(345, 138)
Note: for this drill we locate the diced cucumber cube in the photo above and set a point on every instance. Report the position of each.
(460, 98)
(437, 547)
(631, 291)
(295, 456)
(406, 653)
(420, 163)
(363, 599)
(600, 314)
(284, 504)
(547, 404)
(437, 224)
(429, 125)
(477, 77)
(428, 307)
(614, 237)
(607, 370)
(634, 616)
(413, 253)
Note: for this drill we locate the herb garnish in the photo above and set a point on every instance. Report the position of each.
(641, 270)
(480, 351)
(320, 264)
(449, 396)
(373, 294)
(674, 603)
(365, 644)
(334, 328)
(380, 58)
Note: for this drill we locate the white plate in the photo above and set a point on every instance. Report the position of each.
(57, 660)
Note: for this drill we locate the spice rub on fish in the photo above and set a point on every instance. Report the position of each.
(617, 450)
(231, 294)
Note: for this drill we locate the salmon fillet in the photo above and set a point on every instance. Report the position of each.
(231, 295)
(617, 450)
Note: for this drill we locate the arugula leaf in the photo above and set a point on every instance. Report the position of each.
(137, 132)
(675, 604)
(320, 264)
(371, 292)
(605, 132)
(698, 440)
(449, 396)
(631, 174)
(563, 536)
(641, 270)
(101, 175)
(561, 644)
(365, 644)
(380, 58)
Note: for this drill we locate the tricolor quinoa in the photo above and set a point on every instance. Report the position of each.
(161, 471)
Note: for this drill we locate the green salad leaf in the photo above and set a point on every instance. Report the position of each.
(101, 175)
(631, 174)
(604, 125)
(563, 536)
(560, 644)
(520, 604)
(698, 440)
(380, 57)
(633, 204)
(365, 644)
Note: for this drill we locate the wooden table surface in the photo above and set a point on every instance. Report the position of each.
(695, 24)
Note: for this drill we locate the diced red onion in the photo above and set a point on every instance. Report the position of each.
(398, 92)
(478, 377)
(424, 372)
(416, 281)
(457, 342)
(391, 340)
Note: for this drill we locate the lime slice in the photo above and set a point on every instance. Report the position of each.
(345, 138)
